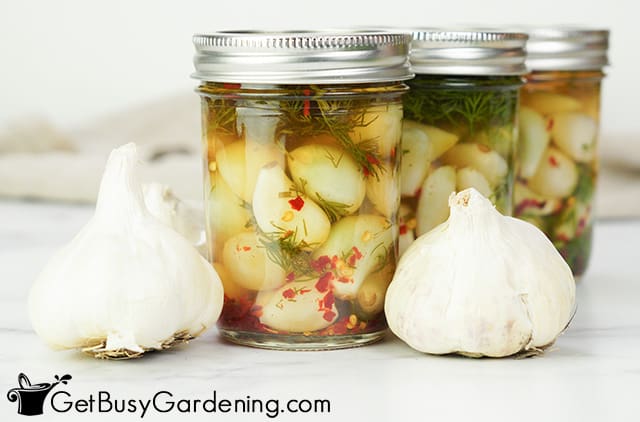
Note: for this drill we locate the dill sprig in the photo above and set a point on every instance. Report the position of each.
(335, 117)
(477, 103)
(334, 210)
(283, 248)
(221, 115)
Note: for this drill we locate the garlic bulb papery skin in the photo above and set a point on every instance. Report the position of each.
(480, 284)
(126, 283)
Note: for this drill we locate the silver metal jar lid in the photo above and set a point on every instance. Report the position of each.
(302, 57)
(471, 53)
(567, 49)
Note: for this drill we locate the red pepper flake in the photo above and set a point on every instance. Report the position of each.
(357, 252)
(303, 291)
(344, 279)
(246, 248)
(306, 105)
(289, 294)
(287, 234)
(291, 276)
(403, 229)
(323, 282)
(230, 86)
(528, 203)
(366, 171)
(256, 310)
(372, 159)
(550, 123)
(553, 161)
(320, 264)
(296, 203)
(352, 261)
(334, 261)
(328, 315)
(328, 300)
(392, 154)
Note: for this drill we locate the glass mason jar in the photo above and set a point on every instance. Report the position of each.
(459, 126)
(301, 136)
(557, 162)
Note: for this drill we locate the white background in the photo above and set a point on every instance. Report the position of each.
(70, 60)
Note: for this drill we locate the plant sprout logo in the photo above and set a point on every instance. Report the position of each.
(31, 397)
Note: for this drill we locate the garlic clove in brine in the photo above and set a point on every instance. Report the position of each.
(245, 258)
(281, 210)
(480, 157)
(480, 284)
(382, 191)
(298, 306)
(126, 283)
(329, 176)
(360, 245)
(381, 125)
(432, 206)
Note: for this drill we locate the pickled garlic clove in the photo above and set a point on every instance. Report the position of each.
(469, 177)
(279, 208)
(231, 165)
(226, 217)
(557, 175)
(480, 157)
(358, 245)
(383, 191)
(421, 144)
(297, 307)
(370, 296)
(325, 139)
(329, 176)
(247, 262)
(573, 221)
(575, 134)
(240, 162)
(232, 290)
(433, 205)
(529, 203)
(382, 125)
(406, 228)
(533, 141)
(549, 102)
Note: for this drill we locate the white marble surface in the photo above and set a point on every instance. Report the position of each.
(591, 374)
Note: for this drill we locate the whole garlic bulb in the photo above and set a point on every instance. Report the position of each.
(127, 283)
(480, 284)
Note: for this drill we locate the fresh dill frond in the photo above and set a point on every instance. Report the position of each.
(334, 210)
(337, 117)
(477, 103)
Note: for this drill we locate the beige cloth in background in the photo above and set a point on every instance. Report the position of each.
(39, 161)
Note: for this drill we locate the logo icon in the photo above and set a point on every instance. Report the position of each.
(31, 397)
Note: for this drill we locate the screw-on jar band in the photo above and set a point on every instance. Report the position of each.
(302, 57)
(567, 49)
(472, 53)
